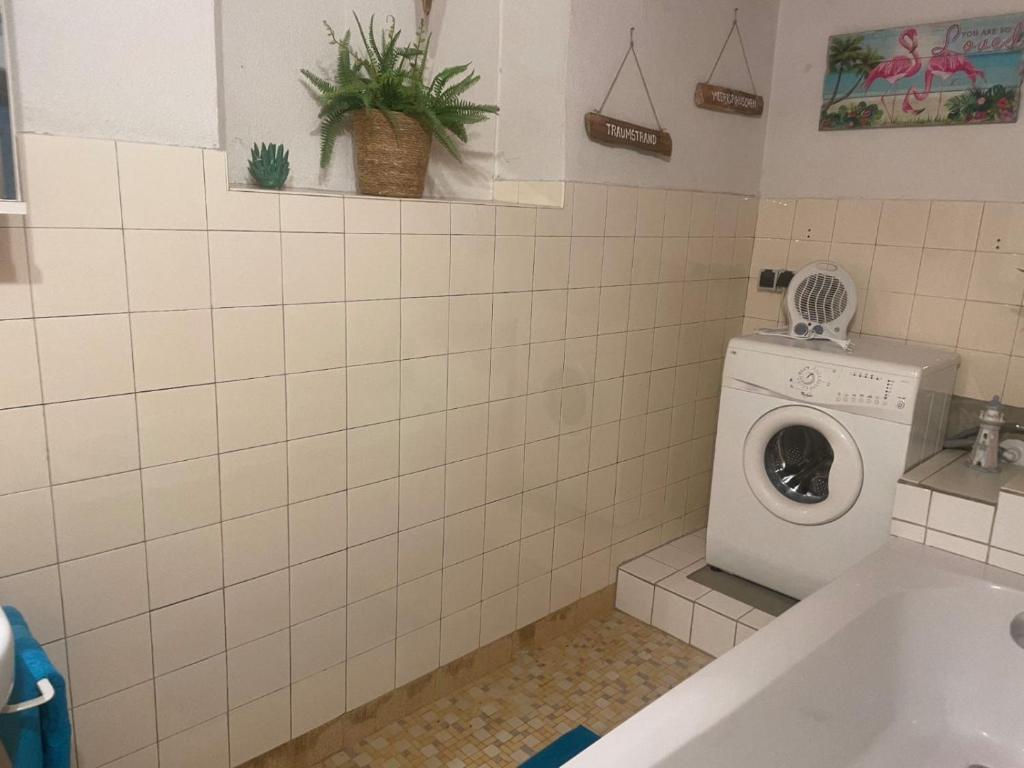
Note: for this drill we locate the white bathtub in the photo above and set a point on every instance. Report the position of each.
(905, 660)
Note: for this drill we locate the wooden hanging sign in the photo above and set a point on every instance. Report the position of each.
(619, 133)
(722, 99)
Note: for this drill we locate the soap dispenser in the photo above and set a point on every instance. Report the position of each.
(984, 454)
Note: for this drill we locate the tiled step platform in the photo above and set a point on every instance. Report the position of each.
(655, 588)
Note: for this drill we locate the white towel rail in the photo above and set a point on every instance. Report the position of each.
(46, 693)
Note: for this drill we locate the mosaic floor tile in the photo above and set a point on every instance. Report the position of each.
(597, 676)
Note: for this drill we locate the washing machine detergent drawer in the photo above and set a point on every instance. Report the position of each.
(799, 493)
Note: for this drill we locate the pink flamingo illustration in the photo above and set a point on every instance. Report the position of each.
(896, 68)
(944, 65)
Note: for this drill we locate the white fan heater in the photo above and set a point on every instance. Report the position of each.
(820, 303)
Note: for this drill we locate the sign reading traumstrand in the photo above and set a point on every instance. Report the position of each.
(619, 133)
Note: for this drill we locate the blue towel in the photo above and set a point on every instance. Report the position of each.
(563, 749)
(40, 737)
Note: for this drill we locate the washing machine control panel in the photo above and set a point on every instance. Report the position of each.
(850, 386)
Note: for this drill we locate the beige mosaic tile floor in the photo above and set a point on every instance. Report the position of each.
(597, 676)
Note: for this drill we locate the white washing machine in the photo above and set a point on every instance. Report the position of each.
(811, 442)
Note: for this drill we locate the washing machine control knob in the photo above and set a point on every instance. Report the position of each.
(808, 377)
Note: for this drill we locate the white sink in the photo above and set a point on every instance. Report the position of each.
(6, 659)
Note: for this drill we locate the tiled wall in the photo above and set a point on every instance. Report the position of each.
(264, 457)
(941, 273)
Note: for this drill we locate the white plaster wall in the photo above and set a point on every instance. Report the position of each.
(126, 69)
(949, 163)
(266, 42)
(677, 41)
(534, 60)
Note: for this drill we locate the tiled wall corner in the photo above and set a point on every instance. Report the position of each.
(285, 452)
(932, 272)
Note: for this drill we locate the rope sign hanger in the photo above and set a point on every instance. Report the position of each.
(619, 133)
(722, 99)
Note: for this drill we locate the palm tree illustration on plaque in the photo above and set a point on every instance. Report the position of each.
(950, 73)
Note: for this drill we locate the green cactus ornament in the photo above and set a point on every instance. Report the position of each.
(268, 165)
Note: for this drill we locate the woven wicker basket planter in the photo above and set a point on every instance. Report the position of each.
(391, 155)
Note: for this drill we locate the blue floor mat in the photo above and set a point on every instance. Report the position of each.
(563, 749)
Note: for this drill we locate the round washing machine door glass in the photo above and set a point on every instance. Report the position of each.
(803, 465)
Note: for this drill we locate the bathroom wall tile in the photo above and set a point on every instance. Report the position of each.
(417, 653)
(370, 675)
(711, 631)
(372, 453)
(533, 600)
(814, 219)
(958, 546)
(255, 545)
(259, 726)
(988, 327)
(672, 614)
(177, 201)
(15, 290)
(620, 220)
(248, 342)
(469, 219)
(187, 632)
(104, 588)
(903, 223)
(109, 659)
(469, 323)
(589, 208)
(428, 218)
(317, 466)
(912, 504)
(425, 265)
(314, 337)
(887, 314)
(318, 699)
(953, 225)
(318, 644)
(945, 273)
(190, 696)
(226, 209)
(935, 321)
(1008, 531)
(635, 597)
(857, 221)
(72, 432)
(245, 268)
(312, 213)
(256, 608)
(84, 356)
(184, 565)
(374, 331)
(372, 567)
(20, 382)
(372, 511)
(167, 269)
(70, 182)
(513, 263)
(253, 480)
(77, 271)
(498, 616)
(318, 587)
(472, 263)
(1002, 227)
(30, 513)
(115, 725)
(372, 266)
(419, 603)
(424, 385)
(317, 527)
(317, 402)
(460, 634)
(180, 496)
(38, 596)
(371, 622)
(313, 266)
(997, 277)
(205, 744)
(175, 349)
(960, 517)
(366, 214)
(97, 515)
(981, 374)
(251, 412)
(257, 669)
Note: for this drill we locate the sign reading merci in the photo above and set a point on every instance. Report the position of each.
(619, 133)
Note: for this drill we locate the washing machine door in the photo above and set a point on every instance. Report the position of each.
(803, 465)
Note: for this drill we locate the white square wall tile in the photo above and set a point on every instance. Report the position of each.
(77, 271)
(176, 201)
(318, 699)
(255, 545)
(318, 643)
(245, 268)
(172, 349)
(372, 266)
(314, 337)
(104, 588)
(317, 402)
(23, 448)
(20, 382)
(93, 516)
(1008, 531)
(167, 269)
(373, 453)
(251, 412)
(372, 567)
(259, 726)
(115, 726)
(312, 213)
(112, 658)
(374, 331)
(70, 182)
(911, 503)
(184, 565)
(318, 587)
(85, 356)
(313, 266)
(258, 668)
(672, 614)
(180, 496)
(712, 632)
(30, 513)
(38, 596)
(226, 209)
(253, 480)
(460, 634)
(370, 675)
(417, 653)
(187, 632)
(371, 622)
(419, 603)
(89, 438)
(177, 424)
(317, 527)
(256, 608)
(248, 342)
(634, 596)
(367, 214)
(191, 696)
(205, 744)
(969, 519)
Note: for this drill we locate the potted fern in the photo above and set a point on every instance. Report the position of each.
(394, 110)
